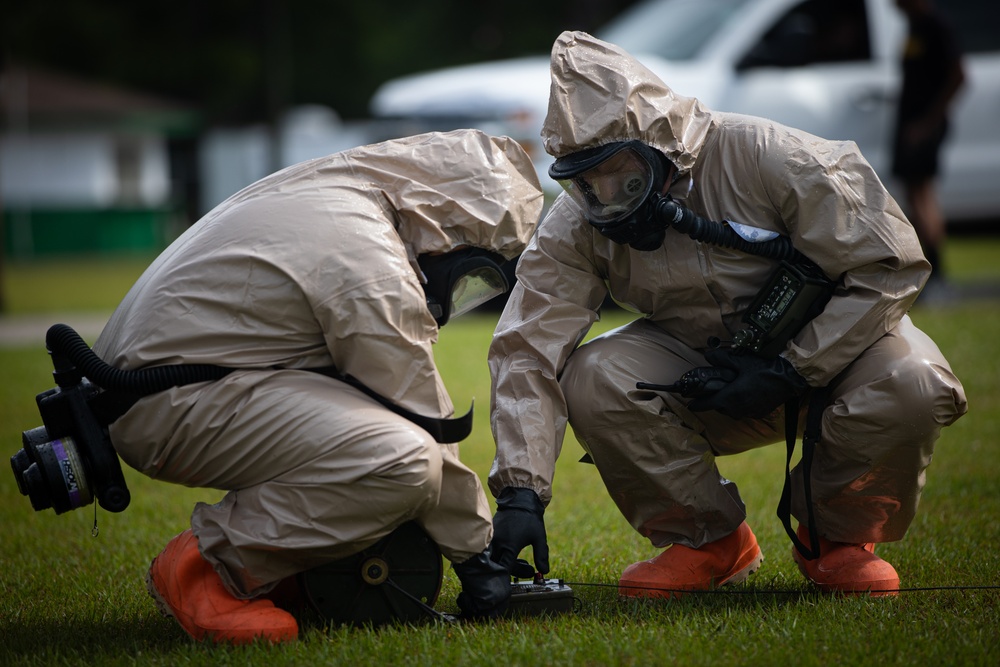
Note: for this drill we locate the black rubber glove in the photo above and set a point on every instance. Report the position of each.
(760, 387)
(485, 587)
(517, 524)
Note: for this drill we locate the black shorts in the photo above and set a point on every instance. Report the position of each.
(917, 162)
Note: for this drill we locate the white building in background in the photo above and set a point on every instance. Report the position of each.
(229, 159)
(79, 169)
(85, 167)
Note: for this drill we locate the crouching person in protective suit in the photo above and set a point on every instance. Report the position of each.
(350, 261)
(623, 141)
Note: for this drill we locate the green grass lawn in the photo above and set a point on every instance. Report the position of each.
(68, 597)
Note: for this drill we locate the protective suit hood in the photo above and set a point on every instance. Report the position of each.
(316, 265)
(453, 189)
(600, 94)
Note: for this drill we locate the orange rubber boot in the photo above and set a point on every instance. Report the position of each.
(847, 568)
(729, 560)
(185, 586)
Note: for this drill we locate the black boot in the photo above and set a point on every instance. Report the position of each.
(485, 587)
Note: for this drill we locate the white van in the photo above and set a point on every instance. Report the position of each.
(789, 60)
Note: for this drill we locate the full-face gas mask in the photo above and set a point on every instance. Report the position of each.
(617, 185)
(461, 280)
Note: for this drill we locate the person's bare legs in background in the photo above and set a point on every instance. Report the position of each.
(928, 221)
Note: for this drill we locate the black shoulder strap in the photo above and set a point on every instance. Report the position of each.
(810, 437)
(109, 405)
(444, 431)
(122, 389)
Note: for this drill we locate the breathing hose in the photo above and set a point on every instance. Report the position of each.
(62, 341)
(698, 228)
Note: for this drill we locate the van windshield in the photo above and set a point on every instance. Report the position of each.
(671, 29)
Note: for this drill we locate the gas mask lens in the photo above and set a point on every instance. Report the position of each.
(617, 186)
(613, 189)
(475, 288)
(458, 281)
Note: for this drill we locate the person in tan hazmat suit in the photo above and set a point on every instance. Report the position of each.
(319, 264)
(622, 140)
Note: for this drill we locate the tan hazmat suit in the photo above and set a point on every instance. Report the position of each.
(312, 266)
(892, 390)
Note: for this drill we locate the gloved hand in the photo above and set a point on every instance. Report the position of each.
(517, 524)
(761, 385)
(485, 587)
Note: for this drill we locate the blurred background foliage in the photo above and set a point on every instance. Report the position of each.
(239, 61)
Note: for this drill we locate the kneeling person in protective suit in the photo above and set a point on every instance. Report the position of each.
(352, 260)
(623, 140)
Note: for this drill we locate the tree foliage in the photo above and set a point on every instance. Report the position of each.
(245, 61)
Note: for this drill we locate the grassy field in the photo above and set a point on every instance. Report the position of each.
(68, 597)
